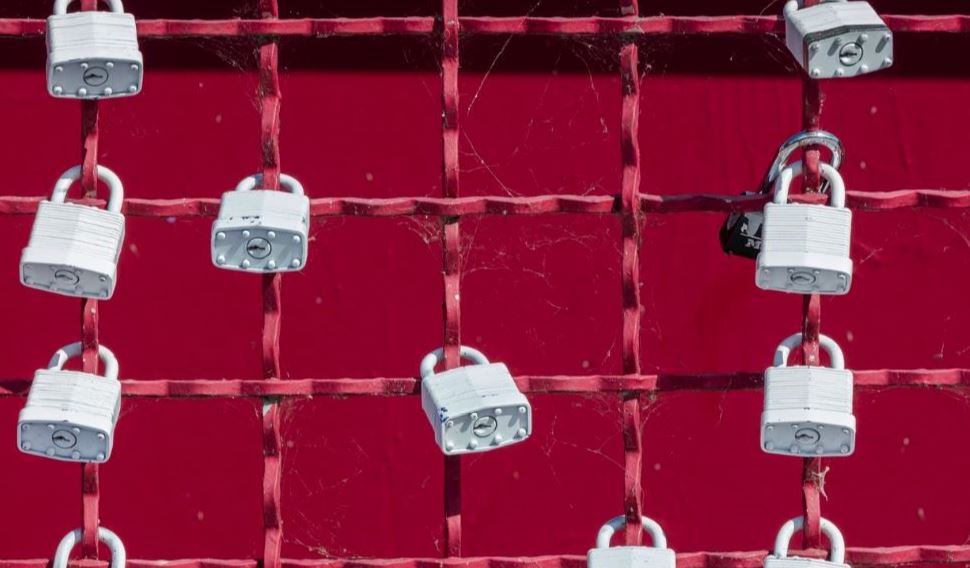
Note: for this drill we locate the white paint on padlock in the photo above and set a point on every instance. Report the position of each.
(780, 559)
(605, 556)
(262, 230)
(475, 408)
(73, 248)
(71, 415)
(837, 39)
(117, 548)
(93, 54)
(808, 410)
(805, 248)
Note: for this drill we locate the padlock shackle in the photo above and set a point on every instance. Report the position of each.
(68, 352)
(793, 5)
(431, 360)
(110, 539)
(111, 179)
(836, 183)
(800, 140)
(836, 358)
(287, 181)
(60, 6)
(649, 525)
(836, 554)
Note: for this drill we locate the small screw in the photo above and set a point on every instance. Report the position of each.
(296, 238)
(245, 233)
(887, 61)
(845, 449)
(769, 446)
(100, 436)
(474, 416)
(521, 410)
(295, 263)
(271, 235)
(863, 38)
(221, 236)
(521, 433)
(76, 455)
(58, 69)
(450, 446)
(473, 444)
(134, 67)
(110, 65)
(25, 427)
(498, 438)
(84, 66)
(76, 430)
(816, 72)
(498, 411)
(100, 457)
(82, 92)
(770, 428)
(840, 72)
(814, 46)
(26, 446)
(449, 424)
(133, 89)
(864, 68)
(271, 264)
(793, 449)
(245, 263)
(108, 91)
(50, 451)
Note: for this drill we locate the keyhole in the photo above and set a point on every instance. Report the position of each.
(64, 439)
(258, 247)
(484, 426)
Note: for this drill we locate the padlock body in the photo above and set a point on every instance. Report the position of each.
(808, 412)
(261, 231)
(773, 561)
(69, 416)
(73, 250)
(805, 249)
(93, 55)
(476, 408)
(839, 39)
(631, 557)
(741, 234)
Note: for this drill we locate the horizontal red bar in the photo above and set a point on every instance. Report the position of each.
(561, 384)
(651, 25)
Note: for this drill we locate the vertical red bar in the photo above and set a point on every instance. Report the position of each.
(629, 7)
(451, 245)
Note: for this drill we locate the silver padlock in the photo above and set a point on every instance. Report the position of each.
(805, 247)
(119, 556)
(808, 410)
(837, 38)
(475, 408)
(262, 230)
(780, 559)
(605, 556)
(74, 249)
(71, 415)
(91, 54)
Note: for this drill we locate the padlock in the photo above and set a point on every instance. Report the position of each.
(74, 249)
(71, 415)
(262, 230)
(837, 38)
(741, 232)
(475, 408)
(808, 410)
(780, 559)
(92, 54)
(805, 247)
(605, 556)
(117, 548)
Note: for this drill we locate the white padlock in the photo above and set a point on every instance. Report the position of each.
(92, 54)
(805, 247)
(71, 415)
(119, 556)
(837, 38)
(808, 410)
(74, 249)
(262, 230)
(475, 408)
(605, 556)
(780, 559)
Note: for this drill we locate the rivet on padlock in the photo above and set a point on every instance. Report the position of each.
(836, 39)
(805, 248)
(74, 249)
(475, 408)
(262, 230)
(780, 559)
(117, 548)
(808, 410)
(92, 54)
(71, 415)
(741, 233)
(605, 556)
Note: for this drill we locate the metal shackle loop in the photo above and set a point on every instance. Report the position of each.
(836, 358)
(431, 360)
(110, 539)
(649, 525)
(60, 6)
(837, 184)
(800, 140)
(287, 181)
(111, 179)
(64, 354)
(793, 5)
(837, 553)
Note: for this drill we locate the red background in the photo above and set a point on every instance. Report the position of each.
(539, 115)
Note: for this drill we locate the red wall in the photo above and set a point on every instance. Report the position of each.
(362, 117)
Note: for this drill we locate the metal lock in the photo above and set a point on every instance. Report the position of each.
(808, 410)
(604, 556)
(805, 248)
(117, 548)
(837, 38)
(71, 415)
(475, 408)
(780, 558)
(741, 232)
(93, 55)
(262, 230)
(74, 249)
